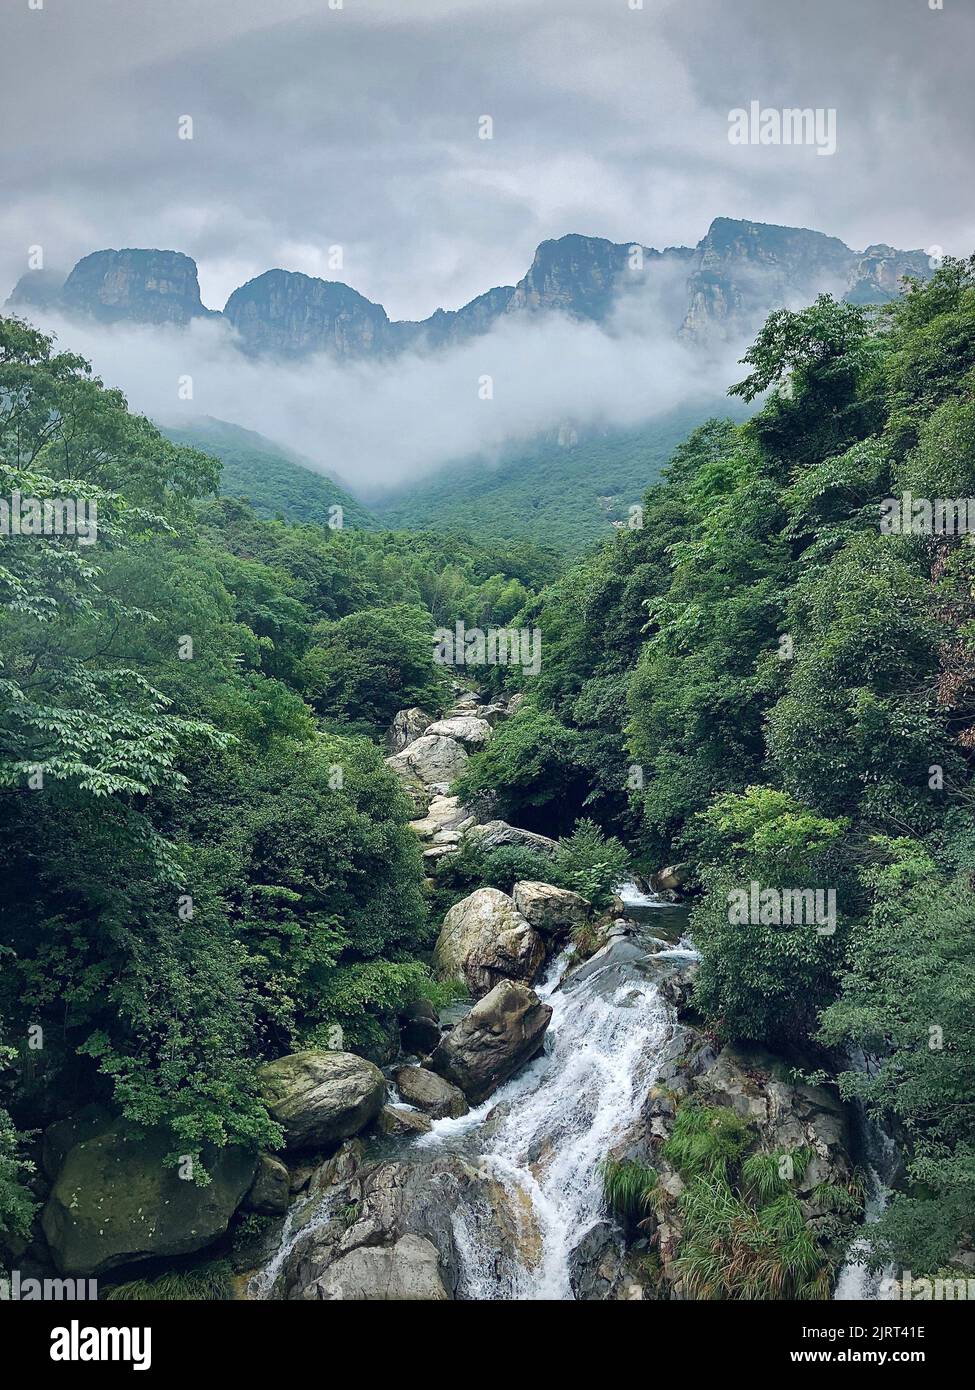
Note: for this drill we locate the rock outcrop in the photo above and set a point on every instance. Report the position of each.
(116, 1200)
(319, 1098)
(407, 725)
(134, 286)
(501, 1032)
(408, 1271)
(433, 759)
(495, 833)
(472, 732)
(485, 938)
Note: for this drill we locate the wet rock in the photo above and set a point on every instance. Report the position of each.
(319, 1098)
(396, 1120)
(429, 1092)
(485, 938)
(501, 1032)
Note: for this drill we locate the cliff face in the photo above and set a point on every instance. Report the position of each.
(289, 314)
(723, 288)
(134, 285)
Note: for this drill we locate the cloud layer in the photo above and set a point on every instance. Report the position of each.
(316, 126)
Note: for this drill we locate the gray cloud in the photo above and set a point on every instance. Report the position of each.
(358, 126)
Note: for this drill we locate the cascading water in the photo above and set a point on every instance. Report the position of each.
(856, 1281)
(544, 1135)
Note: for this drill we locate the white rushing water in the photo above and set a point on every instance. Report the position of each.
(856, 1281)
(551, 1126)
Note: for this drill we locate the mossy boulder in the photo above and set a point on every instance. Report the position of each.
(319, 1098)
(117, 1201)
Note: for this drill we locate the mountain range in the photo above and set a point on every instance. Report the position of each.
(722, 288)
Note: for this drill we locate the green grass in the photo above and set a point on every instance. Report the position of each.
(628, 1187)
(208, 1283)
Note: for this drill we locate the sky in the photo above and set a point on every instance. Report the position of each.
(318, 124)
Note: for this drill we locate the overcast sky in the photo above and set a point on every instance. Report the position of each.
(358, 127)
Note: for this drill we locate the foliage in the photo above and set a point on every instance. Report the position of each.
(628, 1188)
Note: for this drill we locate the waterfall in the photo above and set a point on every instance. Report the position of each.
(544, 1134)
(856, 1281)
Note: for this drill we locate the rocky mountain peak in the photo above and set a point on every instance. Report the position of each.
(290, 314)
(141, 286)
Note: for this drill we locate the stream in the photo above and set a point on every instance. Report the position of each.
(544, 1134)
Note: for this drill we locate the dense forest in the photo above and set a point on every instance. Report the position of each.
(208, 863)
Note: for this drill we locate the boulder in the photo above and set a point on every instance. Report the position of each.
(117, 1201)
(493, 714)
(408, 1271)
(407, 725)
(472, 732)
(432, 759)
(495, 833)
(548, 909)
(515, 703)
(319, 1098)
(271, 1189)
(419, 1027)
(501, 1032)
(484, 938)
(671, 879)
(396, 1121)
(443, 813)
(430, 1092)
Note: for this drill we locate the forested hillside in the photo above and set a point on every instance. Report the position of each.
(209, 865)
(275, 482)
(565, 492)
(764, 684)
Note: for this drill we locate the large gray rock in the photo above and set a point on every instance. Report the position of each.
(501, 1032)
(472, 732)
(430, 1092)
(271, 1188)
(391, 1200)
(445, 813)
(484, 938)
(396, 1121)
(319, 1098)
(116, 1200)
(548, 909)
(407, 725)
(495, 833)
(408, 1271)
(432, 759)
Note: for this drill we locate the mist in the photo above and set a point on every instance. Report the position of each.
(378, 425)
